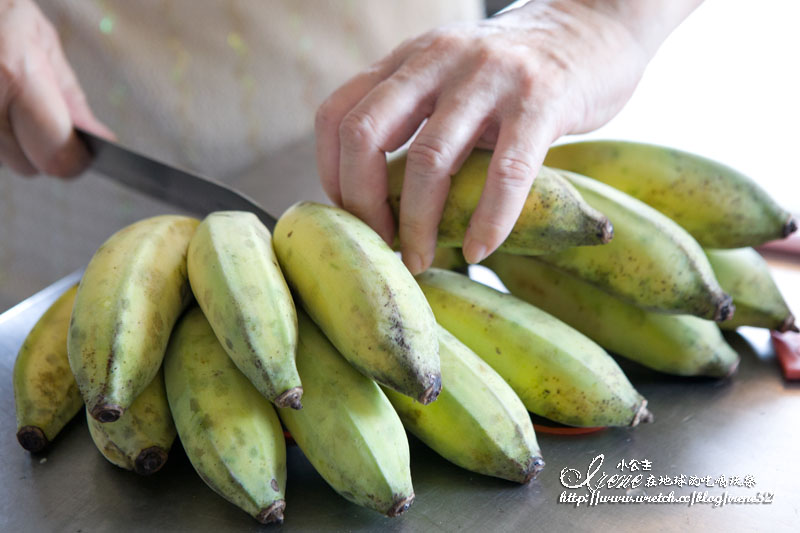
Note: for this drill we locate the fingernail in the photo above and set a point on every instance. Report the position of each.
(413, 262)
(474, 252)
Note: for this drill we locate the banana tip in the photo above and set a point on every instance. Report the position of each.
(535, 466)
(725, 309)
(290, 398)
(272, 514)
(788, 325)
(32, 438)
(401, 506)
(732, 369)
(790, 227)
(150, 460)
(432, 392)
(642, 416)
(606, 232)
(106, 412)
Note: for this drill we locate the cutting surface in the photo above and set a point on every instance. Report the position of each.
(747, 426)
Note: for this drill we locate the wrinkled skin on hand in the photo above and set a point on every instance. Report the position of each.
(41, 100)
(513, 83)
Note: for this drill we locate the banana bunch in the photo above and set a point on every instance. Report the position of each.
(651, 262)
(676, 344)
(348, 429)
(230, 432)
(478, 422)
(130, 296)
(141, 438)
(361, 295)
(554, 217)
(556, 371)
(46, 396)
(745, 275)
(718, 206)
(236, 280)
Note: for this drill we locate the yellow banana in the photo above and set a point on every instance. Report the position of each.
(141, 438)
(46, 396)
(478, 422)
(745, 275)
(719, 206)
(230, 432)
(652, 262)
(362, 296)
(554, 217)
(347, 428)
(236, 279)
(131, 294)
(677, 344)
(556, 371)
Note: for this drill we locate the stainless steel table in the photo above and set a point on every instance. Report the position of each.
(747, 427)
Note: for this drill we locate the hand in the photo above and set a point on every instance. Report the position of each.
(40, 98)
(513, 83)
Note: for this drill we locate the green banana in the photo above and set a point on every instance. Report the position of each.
(745, 275)
(141, 438)
(46, 396)
(717, 205)
(450, 259)
(362, 296)
(230, 432)
(236, 279)
(556, 371)
(131, 294)
(652, 262)
(677, 344)
(348, 429)
(554, 217)
(478, 422)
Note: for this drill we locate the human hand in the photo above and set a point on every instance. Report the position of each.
(40, 98)
(513, 83)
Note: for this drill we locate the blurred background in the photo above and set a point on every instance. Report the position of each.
(724, 85)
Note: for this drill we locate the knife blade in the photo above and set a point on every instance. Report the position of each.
(197, 194)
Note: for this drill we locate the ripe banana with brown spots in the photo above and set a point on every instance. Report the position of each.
(361, 295)
(554, 216)
(556, 371)
(677, 344)
(46, 396)
(478, 422)
(236, 279)
(347, 428)
(229, 430)
(130, 296)
(718, 206)
(652, 262)
(141, 438)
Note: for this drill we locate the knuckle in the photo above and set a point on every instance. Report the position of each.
(447, 42)
(358, 130)
(513, 173)
(429, 155)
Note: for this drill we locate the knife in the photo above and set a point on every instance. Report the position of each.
(197, 194)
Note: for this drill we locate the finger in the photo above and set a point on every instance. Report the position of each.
(517, 158)
(383, 120)
(329, 117)
(74, 97)
(42, 124)
(11, 154)
(435, 154)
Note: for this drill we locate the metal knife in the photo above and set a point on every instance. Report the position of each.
(197, 194)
